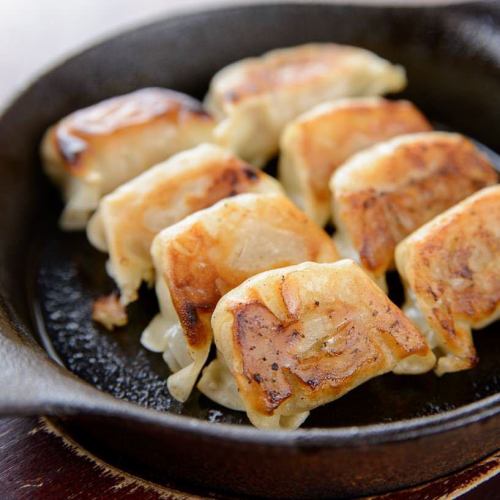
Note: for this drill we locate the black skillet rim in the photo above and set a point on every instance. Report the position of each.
(391, 432)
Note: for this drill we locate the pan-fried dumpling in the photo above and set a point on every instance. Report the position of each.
(300, 337)
(319, 141)
(128, 219)
(92, 151)
(385, 192)
(210, 252)
(451, 270)
(255, 98)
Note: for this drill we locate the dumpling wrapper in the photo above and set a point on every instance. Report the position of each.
(253, 99)
(207, 254)
(94, 150)
(297, 338)
(385, 192)
(451, 271)
(128, 219)
(316, 143)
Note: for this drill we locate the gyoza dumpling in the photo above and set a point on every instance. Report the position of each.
(256, 97)
(385, 192)
(92, 151)
(210, 252)
(451, 270)
(300, 337)
(128, 219)
(319, 141)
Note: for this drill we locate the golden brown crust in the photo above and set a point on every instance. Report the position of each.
(318, 142)
(286, 68)
(452, 268)
(254, 99)
(332, 329)
(194, 284)
(272, 366)
(207, 254)
(401, 187)
(370, 120)
(82, 130)
(235, 177)
(91, 152)
(128, 219)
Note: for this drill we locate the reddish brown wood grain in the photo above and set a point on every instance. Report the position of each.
(36, 463)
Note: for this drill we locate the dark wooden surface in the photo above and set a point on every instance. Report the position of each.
(37, 462)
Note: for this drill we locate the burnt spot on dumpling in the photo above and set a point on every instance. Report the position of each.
(193, 283)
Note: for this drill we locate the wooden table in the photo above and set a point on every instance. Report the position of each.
(35, 460)
(38, 462)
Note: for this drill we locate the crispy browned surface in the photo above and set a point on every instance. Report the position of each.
(452, 265)
(325, 342)
(330, 139)
(207, 258)
(134, 225)
(416, 182)
(255, 98)
(234, 178)
(79, 132)
(286, 68)
(194, 284)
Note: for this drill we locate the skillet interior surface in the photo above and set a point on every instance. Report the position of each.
(453, 66)
(69, 274)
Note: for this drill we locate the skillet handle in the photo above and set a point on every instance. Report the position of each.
(33, 384)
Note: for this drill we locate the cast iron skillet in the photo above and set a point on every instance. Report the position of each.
(389, 433)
